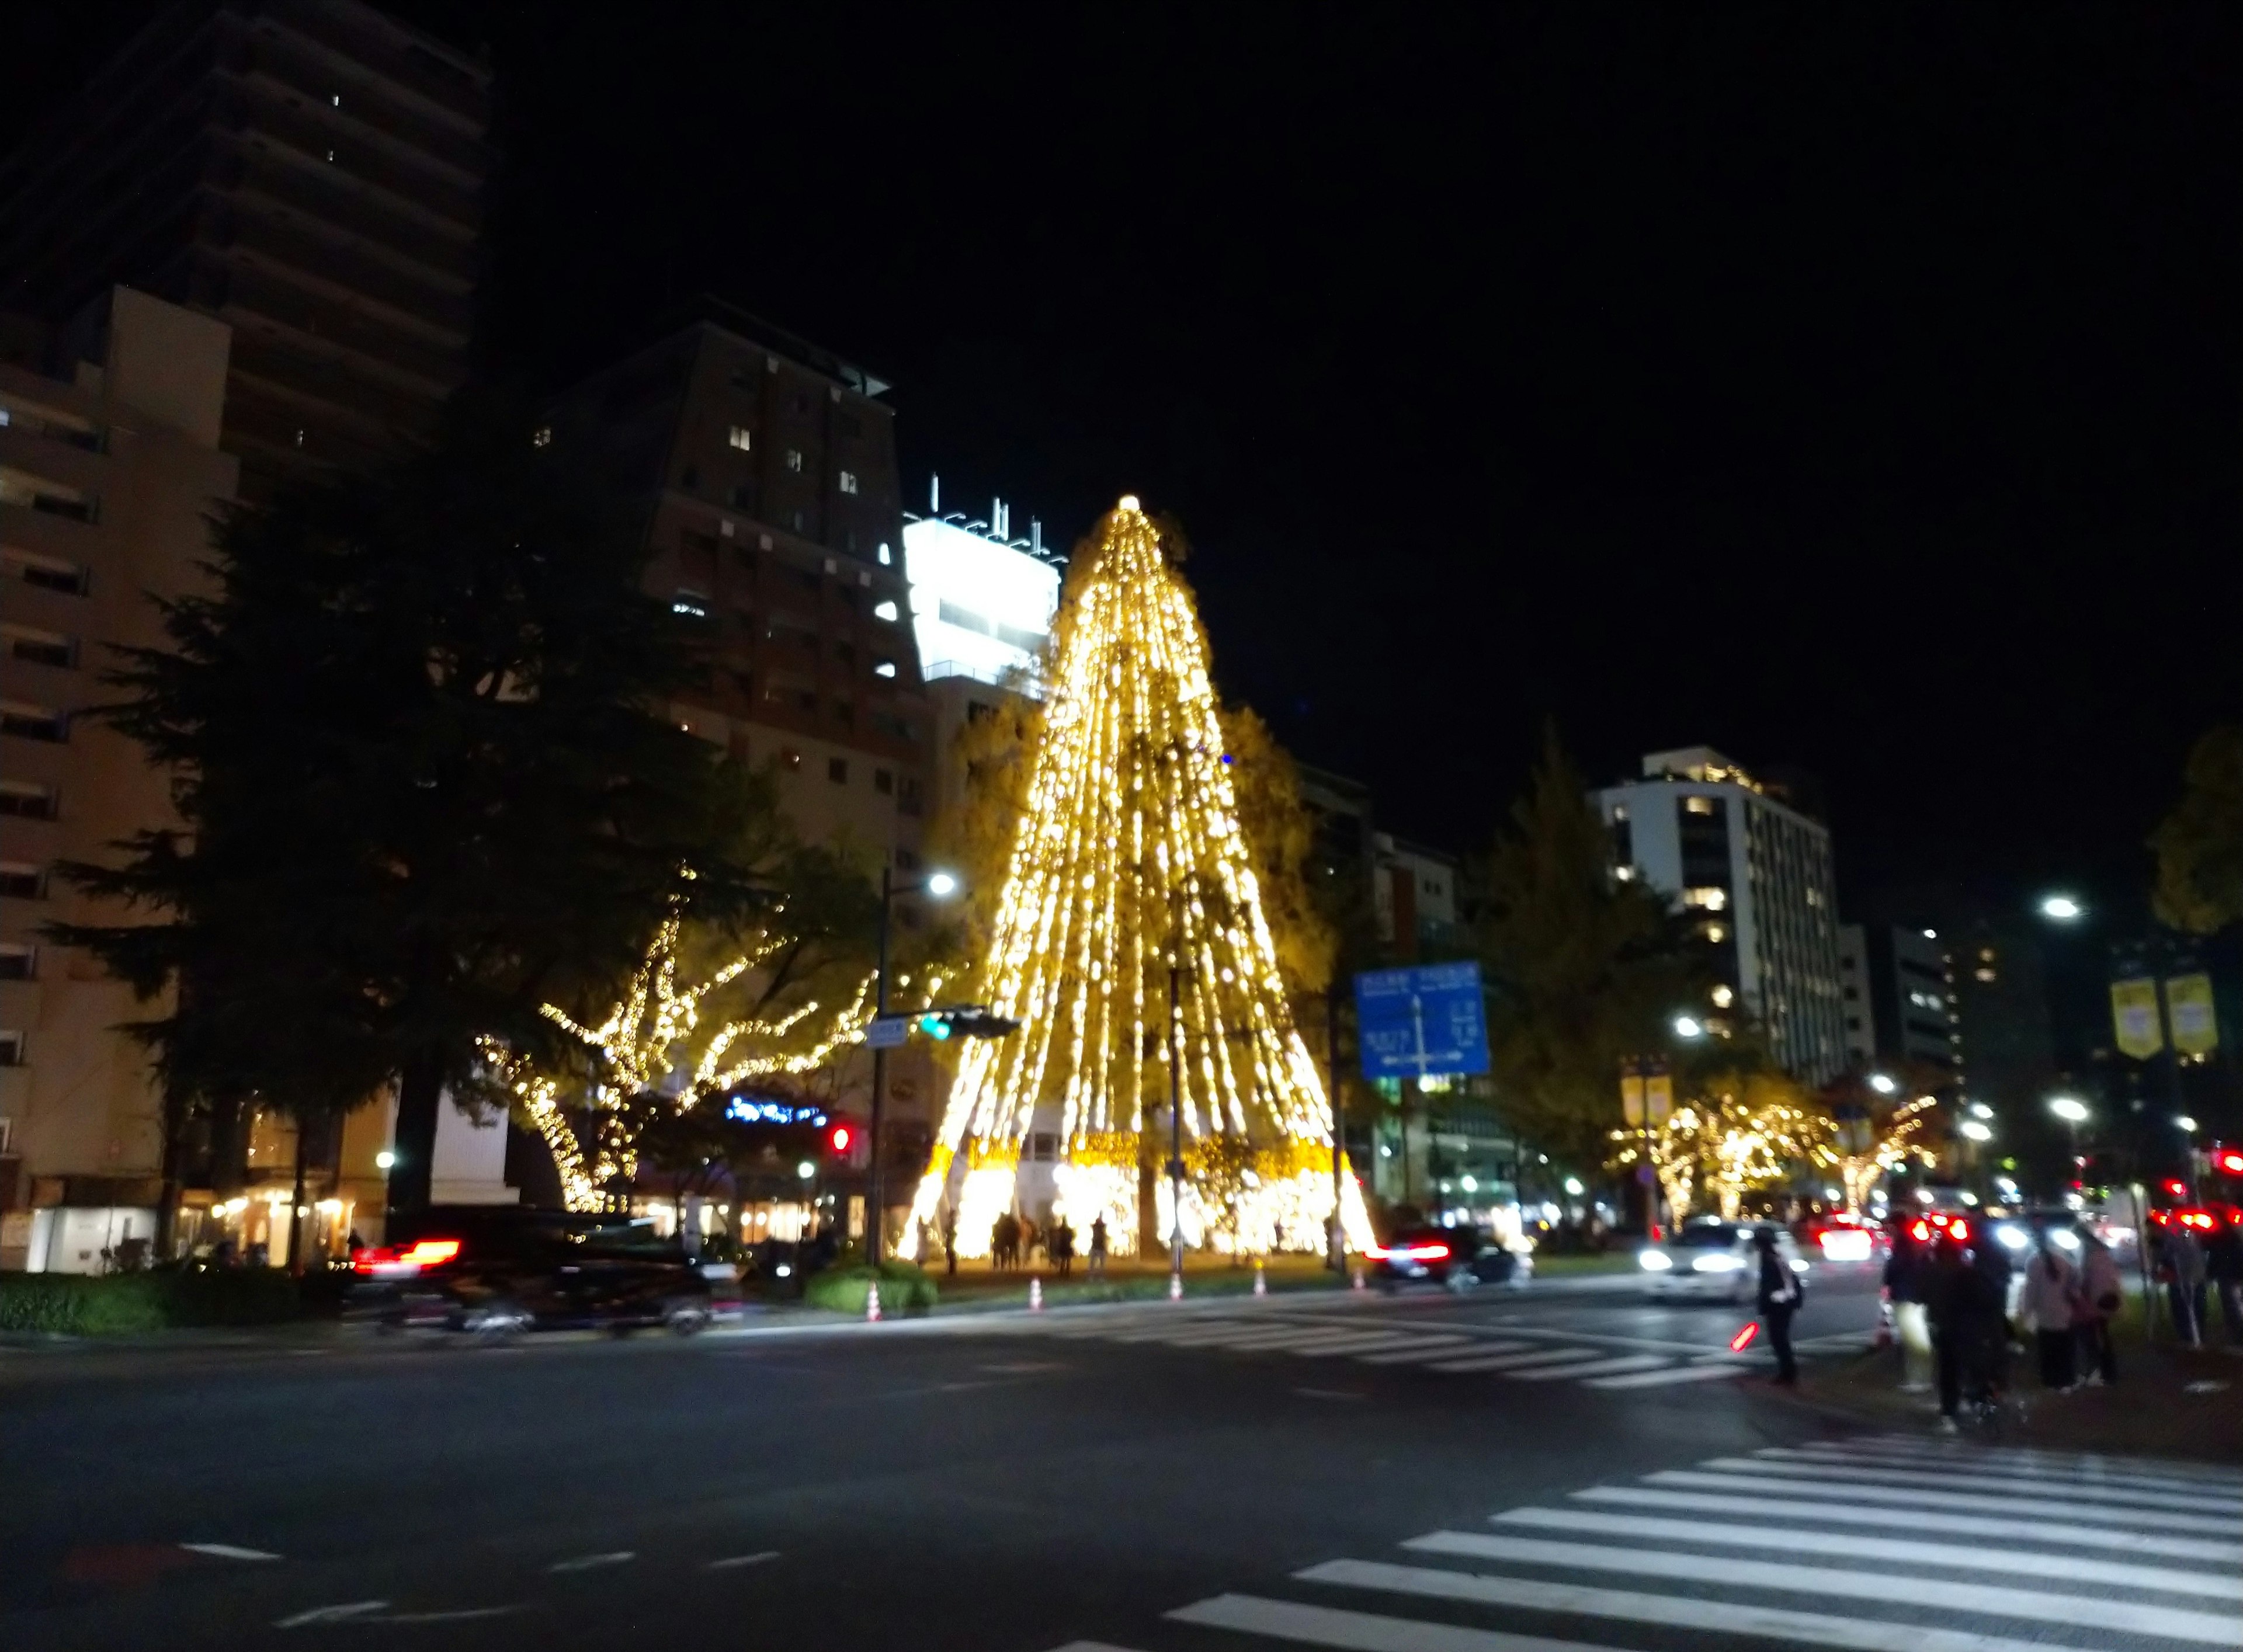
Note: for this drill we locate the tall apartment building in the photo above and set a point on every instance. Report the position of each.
(1414, 896)
(310, 172)
(982, 605)
(1898, 987)
(106, 477)
(1754, 874)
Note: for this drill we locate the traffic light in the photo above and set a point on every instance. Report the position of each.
(839, 1139)
(966, 1021)
(2227, 1160)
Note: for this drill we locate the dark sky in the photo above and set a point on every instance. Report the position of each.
(1856, 395)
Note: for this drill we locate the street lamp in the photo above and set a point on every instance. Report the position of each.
(1688, 1027)
(938, 884)
(2184, 1124)
(2062, 908)
(2069, 1108)
(1976, 1130)
(1883, 1083)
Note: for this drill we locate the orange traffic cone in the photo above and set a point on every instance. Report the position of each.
(1261, 1285)
(1175, 1287)
(872, 1300)
(1035, 1295)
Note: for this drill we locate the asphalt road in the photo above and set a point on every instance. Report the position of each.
(1008, 1485)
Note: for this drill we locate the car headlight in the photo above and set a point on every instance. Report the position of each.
(2013, 1237)
(1653, 1261)
(1798, 1265)
(2065, 1240)
(1846, 1244)
(1719, 1262)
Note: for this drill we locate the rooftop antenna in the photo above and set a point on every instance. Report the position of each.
(1036, 535)
(933, 494)
(997, 518)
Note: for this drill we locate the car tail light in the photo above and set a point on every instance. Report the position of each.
(1921, 1233)
(1407, 1252)
(392, 1262)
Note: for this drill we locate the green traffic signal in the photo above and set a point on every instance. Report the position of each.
(935, 1026)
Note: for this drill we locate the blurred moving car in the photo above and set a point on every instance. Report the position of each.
(492, 1271)
(1712, 1260)
(1842, 1239)
(1460, 1258)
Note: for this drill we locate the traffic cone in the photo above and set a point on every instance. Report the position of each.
(873, 1301)
(1261, 1285)
(1175, 1287)
(1358, 1276)
(1035, 1295)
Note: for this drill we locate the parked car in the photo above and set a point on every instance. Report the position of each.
(490, 1272)
(1712, 1260)
(1460, 1258)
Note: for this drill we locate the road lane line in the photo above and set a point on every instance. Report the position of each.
(230, 1552)
(2037, 1605)
(731, 1562)
(593, 1562)
(1913, 1517)
(1740, 1477)
(2169, 1580)
(331, 1614)
(1520, 1361)
(1359, 1631)
(1090, 1646)
(1662, 1379)
(1732, 1619)
(1597, 1368)
(1783, 1460)
(1418, 1350)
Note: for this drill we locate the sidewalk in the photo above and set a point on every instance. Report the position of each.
(2168, 1402)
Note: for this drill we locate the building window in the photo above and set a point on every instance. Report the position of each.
(801, 522)
(837, 770)
(739, 436)
(848, 481)
(978, 711)
(1712, 897)
(20, 881)
(794, 459)
(883, 781)
(884, 668)
(17, 962)
(1723, 998)
(33, 722)
(26, 801)
(884, 557)
(885, 610)
(48, 574)
(54, 498)
(41, 648)
(11, 1047)
(691, 604)
(908, 802)
(541, 437)
(743, 496)
(1695, 805)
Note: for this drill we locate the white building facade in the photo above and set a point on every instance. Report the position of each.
(1754, 875)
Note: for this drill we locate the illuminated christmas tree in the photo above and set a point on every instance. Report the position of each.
(1128, 863)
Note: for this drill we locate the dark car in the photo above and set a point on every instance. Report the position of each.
(492, 1271)
(1460, 1258)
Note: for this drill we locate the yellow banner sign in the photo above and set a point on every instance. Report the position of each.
(2188, 1011)
(1631, 1096)
(2134, 1013)
(1659, 1095)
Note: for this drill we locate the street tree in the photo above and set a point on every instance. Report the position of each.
(427, 772)
(2200, 845)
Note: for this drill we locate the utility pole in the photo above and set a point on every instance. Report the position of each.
(872, 1214)
(1175, 1123)
(1339, 1135)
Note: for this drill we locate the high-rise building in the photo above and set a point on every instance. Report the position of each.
(1898, 986)
(312, 173)
(1414, 894)
(107, 475)
(1754, 874)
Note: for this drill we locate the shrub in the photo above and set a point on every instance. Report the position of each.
(903, 1285)
(122, 1305)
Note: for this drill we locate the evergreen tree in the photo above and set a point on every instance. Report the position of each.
(2200, 845)
(428, 778)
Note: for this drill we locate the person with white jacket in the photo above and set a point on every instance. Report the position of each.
(2099, 1296)
(2051, 1290)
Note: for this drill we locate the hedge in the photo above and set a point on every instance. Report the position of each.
(120, 1305)
(903, 1286)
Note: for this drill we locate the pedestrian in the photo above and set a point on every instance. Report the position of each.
(1779, 1298)
(1098, 1246)
(1966, 1327)
(950, 1242)
(2183, 1268)
(1000, 1240)
(2223, 1267)
(1903, 1286)
(2051, 1290)
(2097, 1359)
(1062, 1246)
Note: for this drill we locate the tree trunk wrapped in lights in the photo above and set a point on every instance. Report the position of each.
(1127, 860)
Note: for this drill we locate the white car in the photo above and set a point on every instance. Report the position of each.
(1711, 1260)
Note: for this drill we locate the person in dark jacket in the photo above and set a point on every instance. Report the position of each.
(1779, 1298)
(2223, 1267)
(1969, 1331)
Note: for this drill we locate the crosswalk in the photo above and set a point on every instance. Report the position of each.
(1809, 1546)
(1505, 1350)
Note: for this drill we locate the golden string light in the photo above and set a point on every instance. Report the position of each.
(1127, 856)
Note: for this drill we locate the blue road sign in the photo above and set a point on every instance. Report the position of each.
(1419, 1022)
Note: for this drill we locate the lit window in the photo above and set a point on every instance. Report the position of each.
(794, 458)
(691, 604)
(848, 481)
(1723, 998)
(739, 438)
(1984, 974)
(884, 555)
(1698, 805)
(1626, 874)
(1716, 933)
(1712, 897)
(884, 610)
(884, 668)
(541, 437)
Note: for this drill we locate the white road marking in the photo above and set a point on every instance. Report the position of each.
(730, 1561)
(1420, 1351)
(2082, 1466)
(1852, 1545)
(1597, 1368)
(1784, 1460)
(1931, 1456)
(1730, 1619)
(593, 1562)
(230, 1552)
(1515, 1361)
(1326, 1393)
(1662, 1379)
(457, 1614)
(2039, 1606)
(1359, 1631)
(331, 1614)
(1090, 1646)
(1913, 1517)
(1739, 1476)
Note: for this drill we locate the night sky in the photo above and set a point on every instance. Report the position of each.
(1860, 397)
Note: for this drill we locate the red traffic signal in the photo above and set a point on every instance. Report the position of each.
(841, 1139)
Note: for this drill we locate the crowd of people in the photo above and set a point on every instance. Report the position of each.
(1015, 1237)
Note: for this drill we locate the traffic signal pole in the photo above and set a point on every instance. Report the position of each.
(873, 1217)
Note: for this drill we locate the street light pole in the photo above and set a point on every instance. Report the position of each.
(1338, 1246)
(1176, 1129)
(872, 1218)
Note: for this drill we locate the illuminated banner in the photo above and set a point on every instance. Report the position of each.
(1659, 1091)
(2134, 1013)
(2188, 1008)
(1637, 1088)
